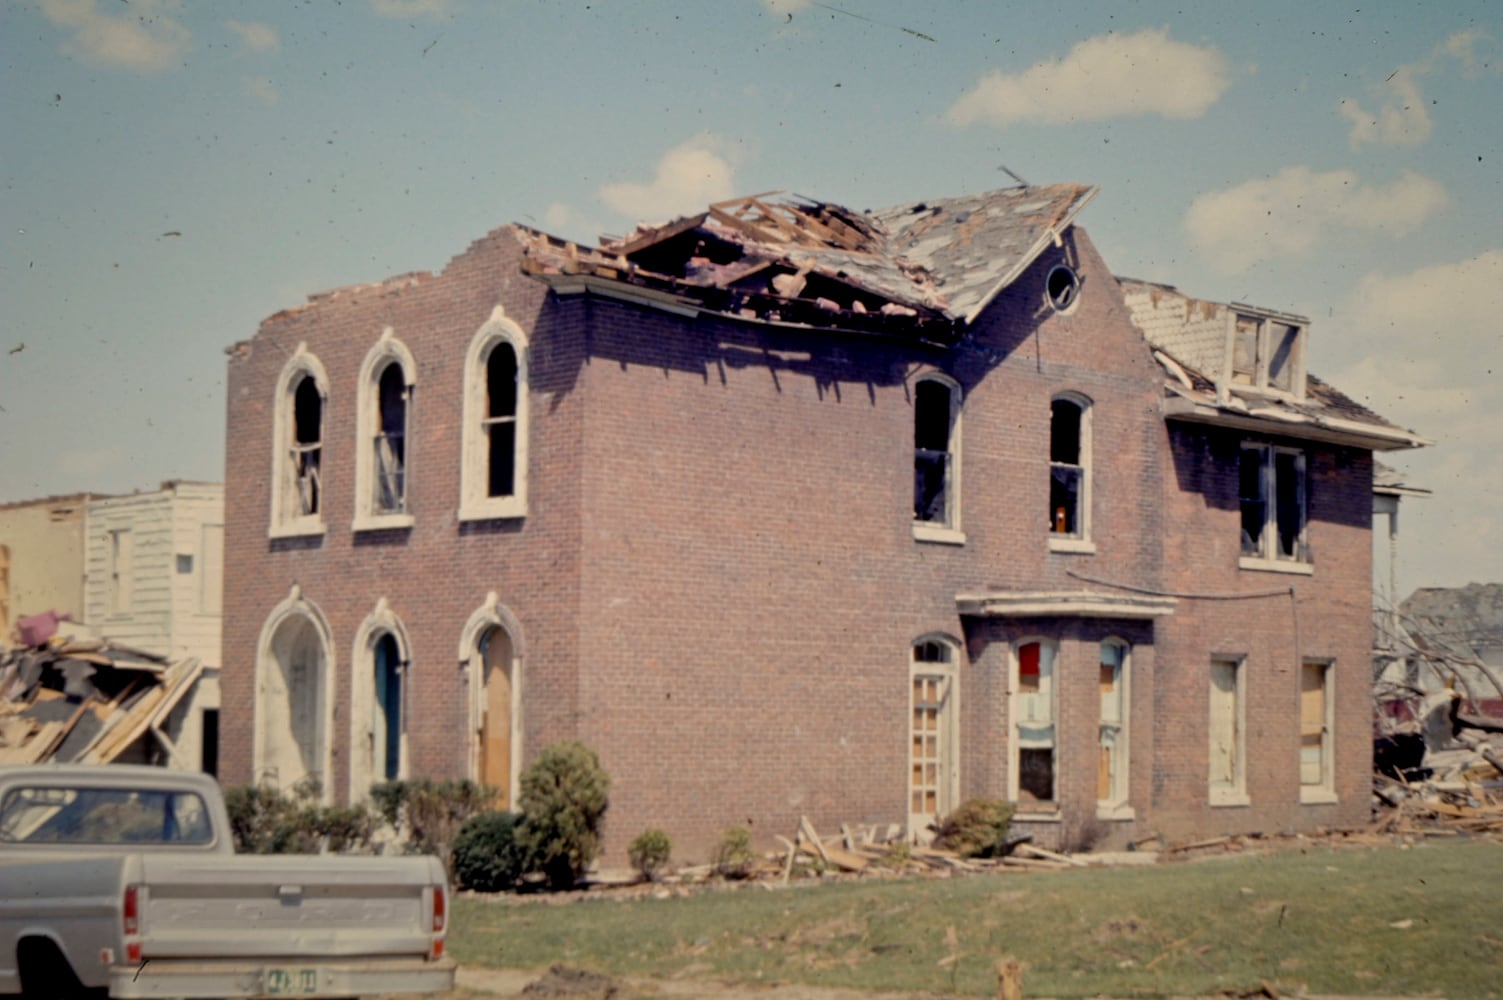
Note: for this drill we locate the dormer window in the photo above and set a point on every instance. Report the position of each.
(1267, 353)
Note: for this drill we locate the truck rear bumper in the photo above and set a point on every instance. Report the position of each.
(289, 977)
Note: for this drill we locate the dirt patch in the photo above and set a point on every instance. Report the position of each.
(579, 984)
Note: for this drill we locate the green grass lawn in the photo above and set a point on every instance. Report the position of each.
(1349, 921)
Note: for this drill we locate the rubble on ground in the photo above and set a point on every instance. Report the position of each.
(1439, 767)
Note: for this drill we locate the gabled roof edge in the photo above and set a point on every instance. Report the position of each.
(1051, 235)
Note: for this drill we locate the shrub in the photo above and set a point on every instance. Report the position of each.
(563, 801)
(734, 857)
(487, 857)
(649, 853)
(977, 829)
(264, 820)
(427, 814)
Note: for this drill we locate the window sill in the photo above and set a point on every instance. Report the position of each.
(1049, 817)
(923, 531)
(493, 509)
(1313, 796)
(1229, 798)
(304, 528)
(1082, 546)
(1275, 566)
(1115, 813)
(382, 522)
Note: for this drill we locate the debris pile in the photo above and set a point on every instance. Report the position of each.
(1439, 769)
(85, 701)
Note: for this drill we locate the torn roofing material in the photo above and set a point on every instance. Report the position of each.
(1194, 340)
(923, 270)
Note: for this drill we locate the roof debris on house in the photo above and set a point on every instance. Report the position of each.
(923, 270)
(1223, 369)
(85, 701)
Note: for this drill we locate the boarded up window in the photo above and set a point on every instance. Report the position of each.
(1315, 730)
(1226, 748)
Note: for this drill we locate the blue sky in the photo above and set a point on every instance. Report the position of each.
(173, 172)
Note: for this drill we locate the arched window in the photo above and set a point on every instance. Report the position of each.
(384, 439)
(293, 711)
(933, 755)
(381, 674)
(1034, 713)
(297, 494)
(1069, 472)
(492, 650)
(936, 459)
(494, 468)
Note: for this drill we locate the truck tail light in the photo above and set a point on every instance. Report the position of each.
(440, 921)
(130, 923)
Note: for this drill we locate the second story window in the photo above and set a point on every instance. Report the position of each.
(297, 495)
(383, 436)
(1272, 488)
(936, 458)
(493, 473)
(1069, 469)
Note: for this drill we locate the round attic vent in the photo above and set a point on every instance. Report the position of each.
(1062, 288)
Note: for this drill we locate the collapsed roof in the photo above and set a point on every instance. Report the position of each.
(923, 270)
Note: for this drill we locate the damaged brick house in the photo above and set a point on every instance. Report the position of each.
(792, 510)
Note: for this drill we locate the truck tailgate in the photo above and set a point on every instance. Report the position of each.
(286, 907)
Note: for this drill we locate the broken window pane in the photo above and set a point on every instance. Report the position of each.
(1036, 775)
(932, 458)
(307, 422)
(1067, 473)
(1111, 776)
(390, 485)
(500, 420)
(1254, 505)
(1281, 358)
(1290, 500)
(1033, 725)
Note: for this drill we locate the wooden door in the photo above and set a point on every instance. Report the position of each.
(495, 716)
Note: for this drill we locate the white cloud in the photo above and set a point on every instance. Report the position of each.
(1402, 120)
(260, 89)
(688, 177)
(1287, 214)
(1402, 117)
(1108, 76)
(256, 36)
(412, 8)
(1427, 353)
(145, 39)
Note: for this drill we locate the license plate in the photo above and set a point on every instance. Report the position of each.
(284, 982)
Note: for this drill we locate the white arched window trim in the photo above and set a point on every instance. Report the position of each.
(491, 614)
(295, 605)
(1082, 541)
(387, 350)
(287, 521)
(474, 503)
(382, 621)
(948, 530)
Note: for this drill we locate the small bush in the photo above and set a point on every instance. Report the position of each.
(428, 814)
(649, 853)
(977, 829)
(264, 820)
(487, 857)
(563, 802)
(734, 857)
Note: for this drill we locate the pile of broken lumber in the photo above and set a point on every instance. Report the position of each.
(84, 700)
(1459, 788)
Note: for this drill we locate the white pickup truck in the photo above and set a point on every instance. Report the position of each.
(122, 881)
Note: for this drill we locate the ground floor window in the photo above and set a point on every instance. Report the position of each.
(1033, 713)
(932, 772)
(1111, 769)
(1316, 773)
(1228, 751)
